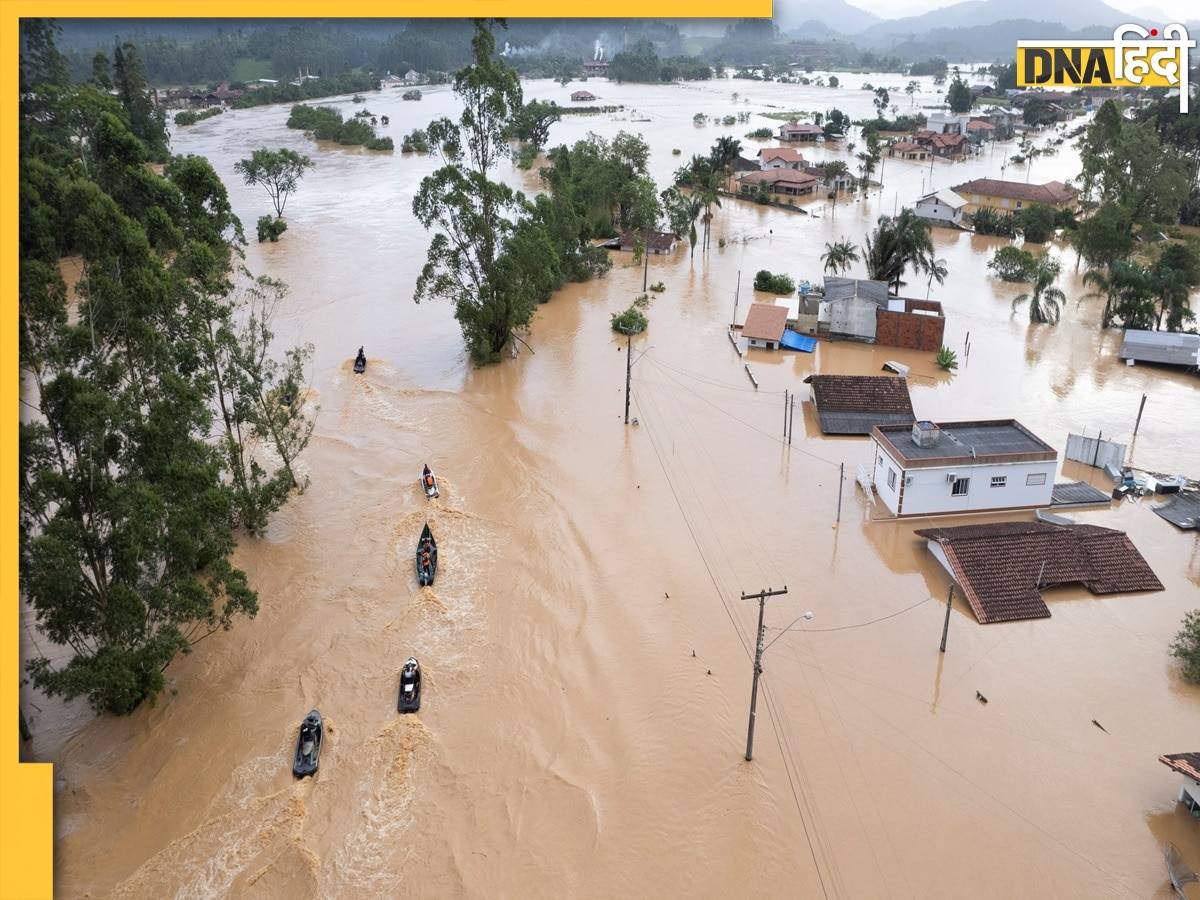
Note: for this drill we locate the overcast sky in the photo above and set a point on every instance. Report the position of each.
(1175, 10)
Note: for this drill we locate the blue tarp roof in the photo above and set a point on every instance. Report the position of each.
(801, 342)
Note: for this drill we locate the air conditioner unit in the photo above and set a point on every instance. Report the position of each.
(950, 476)
(908, 479)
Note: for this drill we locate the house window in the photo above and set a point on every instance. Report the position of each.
(999, 480)
(960, 487)
(1035, 479)
(892, 479)
(1018, 204)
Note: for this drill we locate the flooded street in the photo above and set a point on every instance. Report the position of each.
(587, 658)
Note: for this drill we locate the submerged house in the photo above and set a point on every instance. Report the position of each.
(855, 404)
(908, 150)
(800, 131)
(583, 96)
(788, 182)
(1003, 567)
(947, 145)
(1166, 347)
(944, 207)
(928, 468)
(1009, 196)
(859, 309)
(1187, 765)
(657, 242)
(765, 324)
(780, 158)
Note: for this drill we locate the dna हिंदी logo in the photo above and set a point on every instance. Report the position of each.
(1134, 57)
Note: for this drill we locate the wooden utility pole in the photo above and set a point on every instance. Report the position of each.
(841, 478)
(946, 624)
(736, 291)
(761, 596)
(785, 411)
(1138, 423)
(646, 270)
(628, 372)
(792, 421)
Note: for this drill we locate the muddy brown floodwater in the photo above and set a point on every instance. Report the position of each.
(585, 648)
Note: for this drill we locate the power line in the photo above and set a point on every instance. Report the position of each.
(893, 615)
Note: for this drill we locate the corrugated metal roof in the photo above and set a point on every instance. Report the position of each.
(844, 288)
(1182, 510)
(1078, 493)
(1161, 347)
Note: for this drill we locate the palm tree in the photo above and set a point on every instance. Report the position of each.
(707, 190)
(839, 255)
(1046, 301)
(866, 168)
(898, 242)
(724, 152)
(1176, 272)
(937, 272)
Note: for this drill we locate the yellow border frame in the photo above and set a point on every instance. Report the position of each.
(27, 790)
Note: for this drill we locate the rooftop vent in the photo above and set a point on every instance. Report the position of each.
(925, 434)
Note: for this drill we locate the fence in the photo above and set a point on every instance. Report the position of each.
(1095, 451)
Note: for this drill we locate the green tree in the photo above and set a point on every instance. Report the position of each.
(725, 152)
(145, 121)
(101, 71)
(467, 211)
(959, 96)
(839, 256)
(1101, 240)
(882, 100)
(1176, 274)
(532, 124)
(41, 62)
(1186, 646)
(1036, 223)
(897, 243)
(1045, 300)
(278, 172)
(912, 89)
(682, 210)
(1013, 264)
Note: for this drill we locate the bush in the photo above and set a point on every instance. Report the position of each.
(191, 117)
(774, 284)
(761, 133)
(676, 151)
(947, 359)
(988, 221)
(416, 141)
(383, 143)
(269, 229)
(1186, 646)
(641, 301)
(631, 321)
(658, 287)
(525, 156)
(325, 124)
(1036, 222)
(1013, 264)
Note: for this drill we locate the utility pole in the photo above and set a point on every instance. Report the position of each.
(1138, 423)
(628, 372)
(841, 478)
(785, 411)
(792, 421)
(946, 624)
(646, 270)
(761, 596)
(736, 291)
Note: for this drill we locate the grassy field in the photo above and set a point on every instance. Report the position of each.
(248, 69)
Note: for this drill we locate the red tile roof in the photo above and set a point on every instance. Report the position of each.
(765, 322)
(802, 128)
(1003, 567)
(1051, 192)
(861, 393)
(980, 125)
(906, 145)
(1184, 763)
(787, 154)
(938, 139)
(659, 241)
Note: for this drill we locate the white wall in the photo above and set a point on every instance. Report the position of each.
(928, 490)
(932, 209)
(883, 465)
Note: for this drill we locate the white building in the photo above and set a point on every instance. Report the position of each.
(948, 122)
(942, 206)
(958, 467)
(412, 76)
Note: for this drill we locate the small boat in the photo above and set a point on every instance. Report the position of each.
(360, 362)
(429, 483)
(308, 745)
(410, 687)
(426, 557)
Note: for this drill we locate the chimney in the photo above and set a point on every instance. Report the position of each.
(925, 434)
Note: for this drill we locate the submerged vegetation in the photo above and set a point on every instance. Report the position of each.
(325, 124)
(191, 117)
(159, 404)
(774, 284)
(1186, 646)
(630, 321)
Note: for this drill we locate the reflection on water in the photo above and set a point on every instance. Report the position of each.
(585, 647)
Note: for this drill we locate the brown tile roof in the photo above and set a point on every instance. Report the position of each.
(787, 154)
(583, 95)
(803, 128)
(938, 139)
(980, 125)
(656, 240)
(1050, 192)
(906, 145)
(1184, 763)
(778, 176)
(1003, 567)
(861, 393)
(765, 322)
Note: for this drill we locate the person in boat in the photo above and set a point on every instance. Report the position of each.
(361, 358)
(309, 733)
(425, 557)
(428, 478)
